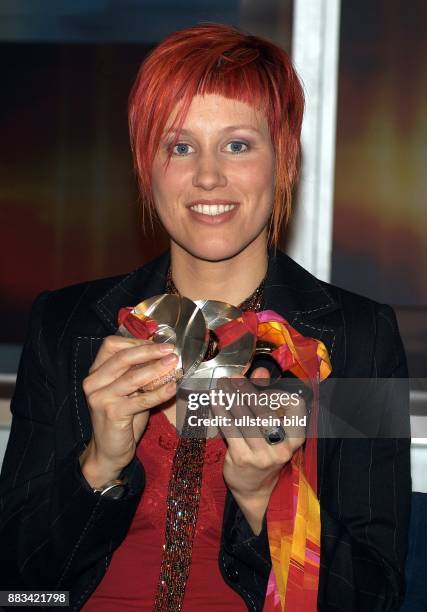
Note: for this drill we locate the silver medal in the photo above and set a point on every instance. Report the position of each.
(180, 321)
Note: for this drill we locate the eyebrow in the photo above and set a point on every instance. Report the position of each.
(229, 128)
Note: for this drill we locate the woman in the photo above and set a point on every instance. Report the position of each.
(215, 118)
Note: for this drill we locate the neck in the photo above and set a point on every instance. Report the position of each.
(231, 280)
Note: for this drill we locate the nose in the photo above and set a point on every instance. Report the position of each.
(209, 173)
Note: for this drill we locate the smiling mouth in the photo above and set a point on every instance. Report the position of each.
(212, 210)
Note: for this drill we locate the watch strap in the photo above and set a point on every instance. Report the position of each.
(113, 489)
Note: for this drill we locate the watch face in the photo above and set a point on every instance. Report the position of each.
(116, 491)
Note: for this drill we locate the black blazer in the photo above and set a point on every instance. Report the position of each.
(57, 534)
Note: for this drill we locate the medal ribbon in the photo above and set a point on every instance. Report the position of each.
(293, 514)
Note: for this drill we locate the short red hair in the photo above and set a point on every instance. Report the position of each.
(218, 59)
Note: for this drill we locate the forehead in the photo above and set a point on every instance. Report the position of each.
(214, 111)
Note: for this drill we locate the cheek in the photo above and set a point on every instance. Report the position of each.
(257, 179)
(167, 185)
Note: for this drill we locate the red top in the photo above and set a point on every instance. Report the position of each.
(131, 578)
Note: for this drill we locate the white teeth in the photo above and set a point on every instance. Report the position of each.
(212, 209)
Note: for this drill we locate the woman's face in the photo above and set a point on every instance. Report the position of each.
(215, 197)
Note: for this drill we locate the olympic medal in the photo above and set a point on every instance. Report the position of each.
(180, 321)
(233, 358)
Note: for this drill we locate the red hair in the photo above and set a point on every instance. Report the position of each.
(218, 59)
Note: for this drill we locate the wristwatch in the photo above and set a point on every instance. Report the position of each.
(113, 489)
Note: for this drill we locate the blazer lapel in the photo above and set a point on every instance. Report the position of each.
(134, 288)
(84, 349)
(305, 303)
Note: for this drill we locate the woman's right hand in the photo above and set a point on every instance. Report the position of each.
(120, 413)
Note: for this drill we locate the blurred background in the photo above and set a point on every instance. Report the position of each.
(68, 199)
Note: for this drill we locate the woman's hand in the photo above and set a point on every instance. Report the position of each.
(252, 466)
(120, 413)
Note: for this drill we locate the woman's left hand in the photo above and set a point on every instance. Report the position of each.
(252, 465)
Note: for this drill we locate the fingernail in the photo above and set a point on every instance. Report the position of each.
(169, 359)
(166, 348)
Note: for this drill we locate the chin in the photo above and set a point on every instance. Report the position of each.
(215, 251)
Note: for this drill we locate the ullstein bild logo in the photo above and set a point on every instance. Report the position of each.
(247, 421)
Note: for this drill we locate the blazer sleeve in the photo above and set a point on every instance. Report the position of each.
(55, 533)
(366, 501)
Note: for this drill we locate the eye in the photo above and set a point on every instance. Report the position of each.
(181, 149)
(236, 146)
